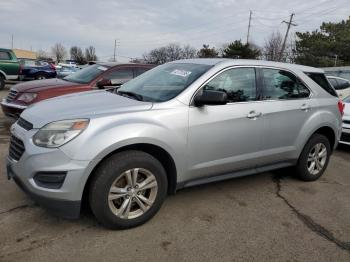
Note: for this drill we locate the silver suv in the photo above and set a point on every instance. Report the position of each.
(181, 124)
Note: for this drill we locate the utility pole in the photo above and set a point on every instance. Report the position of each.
(249, 24)
(115, 48)
(12, 41)
(290, 23)
(335, 60)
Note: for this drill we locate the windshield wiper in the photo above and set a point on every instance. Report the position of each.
(130, 94)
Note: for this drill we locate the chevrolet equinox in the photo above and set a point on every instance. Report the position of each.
(180, 124)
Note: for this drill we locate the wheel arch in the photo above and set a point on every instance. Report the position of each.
(328, 132)
(156, 151)
(2, 73)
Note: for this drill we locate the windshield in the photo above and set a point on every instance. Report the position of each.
(164, 82)
(87, 74)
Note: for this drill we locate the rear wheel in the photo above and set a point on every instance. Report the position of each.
(2, 82)
(314, 158)
(40, 76)
(128, 189)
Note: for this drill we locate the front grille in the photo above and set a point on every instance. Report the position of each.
(345, 137)
(11, 96)
(346, 122)
(24, 124)
(16, 148)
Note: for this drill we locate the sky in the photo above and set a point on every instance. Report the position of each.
(139, 26)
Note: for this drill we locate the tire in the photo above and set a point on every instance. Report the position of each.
(120, 208)
(308, 159)
(40, 76)
(2, 82)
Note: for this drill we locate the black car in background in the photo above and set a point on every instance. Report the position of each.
(36, 69)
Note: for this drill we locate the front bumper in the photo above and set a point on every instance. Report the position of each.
(64, 201)
(11, 109)
(62, 208)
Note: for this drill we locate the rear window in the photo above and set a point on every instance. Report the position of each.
(322, 81)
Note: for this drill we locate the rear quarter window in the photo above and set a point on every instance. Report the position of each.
(4, 55)
(322, 81)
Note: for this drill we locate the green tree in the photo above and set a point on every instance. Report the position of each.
(324, 47)
(239, 50)
(206, 52)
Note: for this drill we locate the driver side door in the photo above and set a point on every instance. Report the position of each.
(225, 138)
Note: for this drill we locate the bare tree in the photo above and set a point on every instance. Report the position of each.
(90, 54)
(273, 47)
(169, 53)
(77, 54)
(42, 55)
(59, 52)
(188, 52)
(173, 52)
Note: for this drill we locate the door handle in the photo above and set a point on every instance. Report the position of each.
(254, 115)
(305, 107)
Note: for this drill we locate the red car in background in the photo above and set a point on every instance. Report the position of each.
(97, 76)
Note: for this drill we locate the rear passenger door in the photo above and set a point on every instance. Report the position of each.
(287, 106)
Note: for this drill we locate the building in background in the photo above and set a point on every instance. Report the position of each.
(20, 53)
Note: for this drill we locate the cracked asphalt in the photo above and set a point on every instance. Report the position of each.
(265, 217)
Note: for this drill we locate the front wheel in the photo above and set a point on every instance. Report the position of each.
(127, 190)
(314, 158)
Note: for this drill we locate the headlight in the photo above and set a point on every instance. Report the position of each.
(27, 97)
(56, 134)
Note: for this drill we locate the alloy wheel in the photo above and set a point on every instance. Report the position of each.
(317, 159)
(132, 193)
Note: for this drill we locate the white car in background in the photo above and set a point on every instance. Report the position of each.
(345, 137)
(341, 85)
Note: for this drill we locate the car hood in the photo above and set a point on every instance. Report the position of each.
(81, 105)
(37, 85)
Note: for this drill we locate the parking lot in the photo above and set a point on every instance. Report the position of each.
(266, 217)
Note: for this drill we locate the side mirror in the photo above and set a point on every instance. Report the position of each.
(101, 84)
(210, 97)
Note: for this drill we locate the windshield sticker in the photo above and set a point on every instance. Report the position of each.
(179, 72)
(102, 68)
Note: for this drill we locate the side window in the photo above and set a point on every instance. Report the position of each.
(120, 75)
(321, 80)
(140, 70)
(238, 83)
(280, 84)
(342, 84)
(333, 82)
(4, 55)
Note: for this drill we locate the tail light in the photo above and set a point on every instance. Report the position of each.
(52, 66)
(341, 107)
